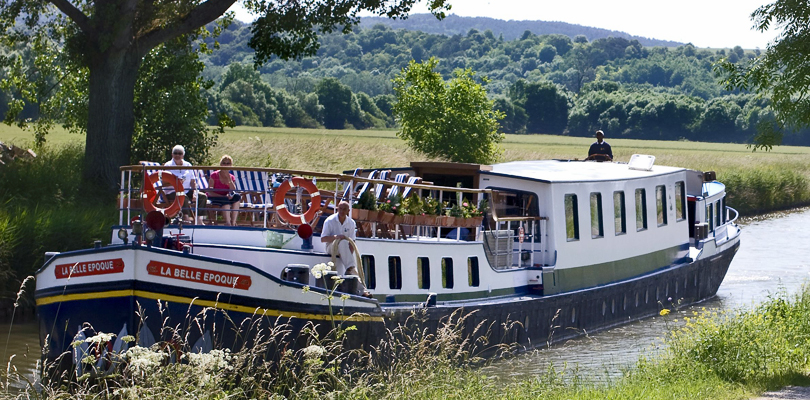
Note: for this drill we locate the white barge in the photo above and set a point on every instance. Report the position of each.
(564, 247)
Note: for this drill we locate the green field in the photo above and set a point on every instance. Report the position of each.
(336, 150)
(757, 181)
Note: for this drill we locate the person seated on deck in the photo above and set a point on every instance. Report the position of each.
(222, 194)
(600, 149)
(186, 176)
(339, 235)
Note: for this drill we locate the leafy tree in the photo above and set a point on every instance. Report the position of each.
(108, 41)
(336, 99)
(169, 106)
(546, 107)
(547, 53)
(446, 119)
(781, 73)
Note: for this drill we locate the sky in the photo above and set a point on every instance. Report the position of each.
(704, 23)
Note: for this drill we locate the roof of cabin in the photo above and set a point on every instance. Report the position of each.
(575, 171)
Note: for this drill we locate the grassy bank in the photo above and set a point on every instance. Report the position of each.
(733, 355)
(42, 209)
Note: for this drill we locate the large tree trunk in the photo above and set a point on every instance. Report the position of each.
(111, 121)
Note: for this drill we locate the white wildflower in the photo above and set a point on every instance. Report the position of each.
(100, 337)
(128, 338)
(344, 297)
(143, 360)
(319, 269)
(213, 361)
(314, 351)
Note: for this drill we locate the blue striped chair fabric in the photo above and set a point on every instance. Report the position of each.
(414, 180)
(400, 178)
(253, 184)
(364, 186)
(380, 188)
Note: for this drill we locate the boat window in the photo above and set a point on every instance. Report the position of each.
(472, 272)
(370, 277)
(423, 272)
(661, 204)
(680, 201)
(597, 228)
(619, 213)
(718, 210)
(641, 209)
(515, 203)
(709, 216)
(447, 273)
(395, 272)
(571, 217)
(725, 212)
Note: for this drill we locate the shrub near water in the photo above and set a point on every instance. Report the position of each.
(765, 188)
(43, 209)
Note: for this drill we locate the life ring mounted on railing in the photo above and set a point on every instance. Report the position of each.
(281, 207)
(150, 194)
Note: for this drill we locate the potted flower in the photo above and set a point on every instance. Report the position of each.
(390, 207)
(430, 210)
(473, 214)
(453, 214)
(412, 208)
(364, 204)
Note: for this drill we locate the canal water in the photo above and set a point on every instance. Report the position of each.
(773, 257)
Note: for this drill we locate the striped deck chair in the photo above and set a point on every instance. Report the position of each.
(363, 187)
(347, 191)
(414, 180)
(255, 191)
(400, 178)
(380, 188)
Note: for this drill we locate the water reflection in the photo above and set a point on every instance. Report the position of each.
(772, 258)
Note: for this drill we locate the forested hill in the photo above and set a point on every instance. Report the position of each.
(511, 30)
(548, 83)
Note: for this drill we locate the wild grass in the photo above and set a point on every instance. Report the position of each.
(728, 355)
(42, 209)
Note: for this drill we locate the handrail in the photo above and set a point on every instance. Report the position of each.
(342, 177)
(736, 215)
(512, 219)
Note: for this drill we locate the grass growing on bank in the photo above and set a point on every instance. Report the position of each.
(42, 209)
(731, 355)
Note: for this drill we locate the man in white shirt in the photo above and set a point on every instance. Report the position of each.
(186, 176)
(336, 229)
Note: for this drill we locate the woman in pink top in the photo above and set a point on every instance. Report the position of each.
(222, 183)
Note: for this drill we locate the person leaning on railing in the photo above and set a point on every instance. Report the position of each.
(222, 194)
(186, 176)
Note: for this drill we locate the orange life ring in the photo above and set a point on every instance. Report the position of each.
(149, 193)
(281, 208)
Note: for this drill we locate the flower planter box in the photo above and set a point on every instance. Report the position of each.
(398, 219)
(409, 219)
(448, 221)
(359, 214)
(387, 217)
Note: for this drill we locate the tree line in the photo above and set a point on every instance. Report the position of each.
(549, 84)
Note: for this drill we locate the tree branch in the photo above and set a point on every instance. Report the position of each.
(75, 15)
(198, 17)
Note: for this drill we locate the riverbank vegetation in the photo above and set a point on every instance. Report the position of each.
(707, 355)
